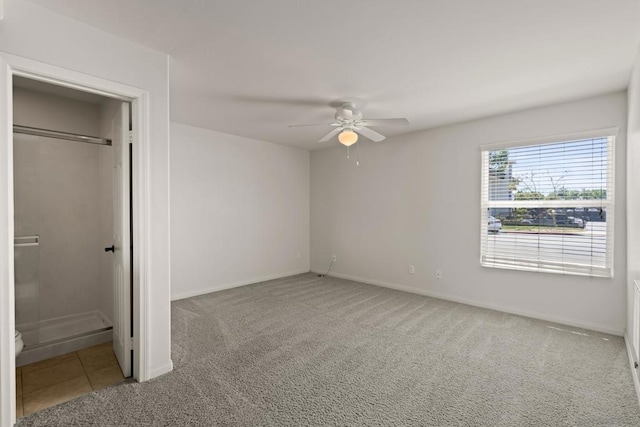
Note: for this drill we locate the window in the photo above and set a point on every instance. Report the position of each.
(549, 206)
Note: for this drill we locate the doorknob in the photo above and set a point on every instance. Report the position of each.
(112, 248)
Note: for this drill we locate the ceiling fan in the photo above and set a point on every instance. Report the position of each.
(349, 123)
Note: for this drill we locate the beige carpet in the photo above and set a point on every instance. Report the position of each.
(304, 351)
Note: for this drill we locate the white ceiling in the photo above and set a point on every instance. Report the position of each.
(251, 68)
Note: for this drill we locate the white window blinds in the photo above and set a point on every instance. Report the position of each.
(549, 207)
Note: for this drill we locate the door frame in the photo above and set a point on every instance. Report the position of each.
(12, 65)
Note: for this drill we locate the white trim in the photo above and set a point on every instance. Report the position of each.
(634, 371)
(35, 70)
(162, 370)
(235, 285)
(566, 137)
(564, 321)
(635, 319)
(16, 65)
(536, 266)
(7, 297)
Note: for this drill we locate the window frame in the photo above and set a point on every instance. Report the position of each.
(545, 266)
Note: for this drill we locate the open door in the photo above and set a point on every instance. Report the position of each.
(121, 240)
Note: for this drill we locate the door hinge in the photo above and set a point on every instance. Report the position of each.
(131, 343)
(635, 365)
(130, 137)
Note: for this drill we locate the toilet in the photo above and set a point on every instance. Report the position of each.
(19, 343)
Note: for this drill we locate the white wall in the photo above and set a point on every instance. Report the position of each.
(633, 199)
(239, 210)
(32, 32)
(416, 200)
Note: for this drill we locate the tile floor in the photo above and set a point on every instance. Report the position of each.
(52, 381)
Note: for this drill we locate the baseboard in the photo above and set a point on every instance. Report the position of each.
(161, 370)
(481, 304)
(236, 285)
(634, 371)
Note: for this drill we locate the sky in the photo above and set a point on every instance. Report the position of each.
(575, 165)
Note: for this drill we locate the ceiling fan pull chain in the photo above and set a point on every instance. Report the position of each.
(347, 152)
(357, 155)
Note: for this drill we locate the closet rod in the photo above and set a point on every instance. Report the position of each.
(60, 135)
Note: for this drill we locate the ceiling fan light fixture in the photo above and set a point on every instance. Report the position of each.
(348, 137)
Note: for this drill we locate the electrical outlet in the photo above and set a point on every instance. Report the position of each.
(438, 274)
(412, 269)
(333, 258)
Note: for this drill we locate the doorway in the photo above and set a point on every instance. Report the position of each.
(12, 66)
(72, 246)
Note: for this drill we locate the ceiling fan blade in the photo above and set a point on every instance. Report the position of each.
(386, 122)
(311, 124)
(331, 134)
(371, 134)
